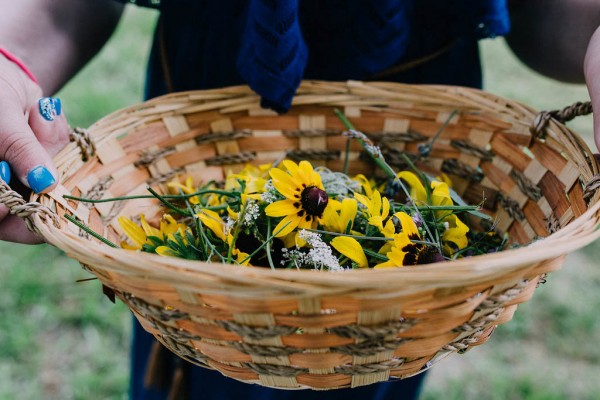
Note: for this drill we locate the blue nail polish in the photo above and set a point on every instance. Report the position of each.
(39, 179)
(50, 107)
(5, 172)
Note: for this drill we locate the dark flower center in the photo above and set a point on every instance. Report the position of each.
(314, 200)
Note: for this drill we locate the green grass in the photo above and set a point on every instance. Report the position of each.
(60, 339)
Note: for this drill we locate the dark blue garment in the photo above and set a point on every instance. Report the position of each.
(273, 44)
(204, 384)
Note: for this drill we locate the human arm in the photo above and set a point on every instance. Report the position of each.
(54, 39)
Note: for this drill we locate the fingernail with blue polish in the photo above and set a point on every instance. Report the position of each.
(39, 179)
(50, 108)
(5, 172)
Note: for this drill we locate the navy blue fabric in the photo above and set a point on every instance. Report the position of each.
(273, 44)
(204, 384)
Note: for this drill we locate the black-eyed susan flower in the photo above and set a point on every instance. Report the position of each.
(304, 200)
(404, 250)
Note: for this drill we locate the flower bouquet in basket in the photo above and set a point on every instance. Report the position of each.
(294, 251)
(298, 216)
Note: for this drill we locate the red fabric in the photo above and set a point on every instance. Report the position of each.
(9, 56)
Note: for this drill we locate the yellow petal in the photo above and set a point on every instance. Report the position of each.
(417, 190)
(282, 181)
(133, 231)
(281, 208)
(456, 233)
(385, 207)
(350, 248)
(408, 225)
(213, 222)
(150, 230)
(286, 225)
(396, 259)
(166, 251)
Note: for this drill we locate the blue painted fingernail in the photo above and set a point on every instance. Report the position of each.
(39, 179)
(50, 107)
(5, 172)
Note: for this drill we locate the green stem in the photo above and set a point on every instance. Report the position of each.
(148, 196)
(269, 258)
(91, 232)
(166, 203)
(374, 254)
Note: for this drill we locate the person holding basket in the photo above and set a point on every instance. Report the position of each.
(271, 45)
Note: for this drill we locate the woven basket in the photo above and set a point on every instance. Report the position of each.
(324, 330)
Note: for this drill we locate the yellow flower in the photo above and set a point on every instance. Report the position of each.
(377, 208)
(212, 221)
(187, 187)
(454, 237)
(350, 247)
(337, 216)
(139, 233)
(253, 177)
(367, 185)
(305, 197)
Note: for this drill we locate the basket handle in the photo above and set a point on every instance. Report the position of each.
(17, 205)
(567, 114)
(562, 116)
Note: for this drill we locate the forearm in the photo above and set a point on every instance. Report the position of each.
(551, 36)
(55, 38)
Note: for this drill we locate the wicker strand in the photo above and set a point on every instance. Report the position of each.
(370, 368)
(511, 206)
(81, 137)
(526, 185)
(256, 332)
(455, 167)
(373, 332)
(469, 148)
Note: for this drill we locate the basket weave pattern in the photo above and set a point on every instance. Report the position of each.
(306, 329)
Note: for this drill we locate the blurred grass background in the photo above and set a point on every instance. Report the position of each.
(62, 339)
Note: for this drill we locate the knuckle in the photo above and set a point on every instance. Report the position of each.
(15, 145)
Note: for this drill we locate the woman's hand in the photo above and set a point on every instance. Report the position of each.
(32, 130)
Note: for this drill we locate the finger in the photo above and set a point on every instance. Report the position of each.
(13, 229)
(49, 124)
(19, 146)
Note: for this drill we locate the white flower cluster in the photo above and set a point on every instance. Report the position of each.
(252, 213)
(319, 256)
(269, 196)
(337, 184)
(229, 225)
